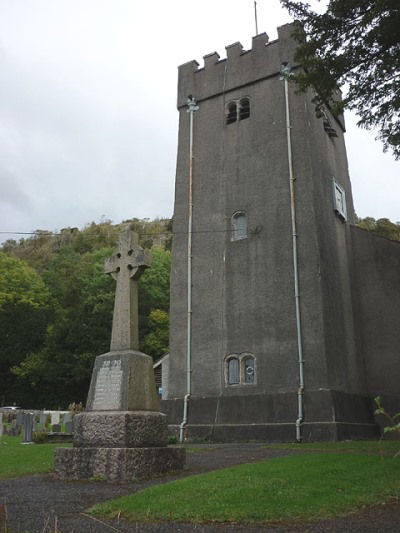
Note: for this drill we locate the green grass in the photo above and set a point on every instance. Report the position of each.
(306, 486)
(17, 459)
(390, 447)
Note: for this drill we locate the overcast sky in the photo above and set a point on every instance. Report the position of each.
(88, 119)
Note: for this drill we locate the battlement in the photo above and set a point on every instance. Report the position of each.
(240, 67)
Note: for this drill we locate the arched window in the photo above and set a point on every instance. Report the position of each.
(239, 226)
(240, 369)
(244, 108)
(249, 369)
(231, 113)
(237, 110)
(233, 371)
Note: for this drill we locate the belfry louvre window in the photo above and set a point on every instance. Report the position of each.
(231, 113)
(237, 110)
(339, 200)
(239, 226)
(244, 108)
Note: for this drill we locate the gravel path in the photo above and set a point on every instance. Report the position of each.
(45, 504)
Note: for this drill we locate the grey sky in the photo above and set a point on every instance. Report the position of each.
(88, 120)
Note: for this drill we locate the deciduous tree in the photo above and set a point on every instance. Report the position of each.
(25, 310)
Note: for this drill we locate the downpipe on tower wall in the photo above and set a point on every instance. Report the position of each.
(192, 107)
(285, 74)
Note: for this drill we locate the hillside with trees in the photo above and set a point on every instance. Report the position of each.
(56, 307)
(382, 227)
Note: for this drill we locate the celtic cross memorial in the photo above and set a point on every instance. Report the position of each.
(126, 266)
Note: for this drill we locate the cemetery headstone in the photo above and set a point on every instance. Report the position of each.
(28, 428)
(56, 428)
(13, 429)
(121, 436)
(55, 418)
(69, 426)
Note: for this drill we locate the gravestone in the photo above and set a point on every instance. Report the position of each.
(42, 419)
(27, 421)
(121, 436)
(55, 418)
(14, 429)
(56, 428)
(69, 426)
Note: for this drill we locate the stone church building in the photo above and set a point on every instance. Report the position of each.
(285, 317)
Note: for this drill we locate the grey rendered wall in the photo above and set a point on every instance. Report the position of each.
(377, 265)
(325, 249)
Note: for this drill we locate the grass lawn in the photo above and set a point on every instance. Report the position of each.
(305, 486)
(17, 459)
(339, 479)
(385, 447)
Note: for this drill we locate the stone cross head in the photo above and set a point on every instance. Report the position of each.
(126, 266)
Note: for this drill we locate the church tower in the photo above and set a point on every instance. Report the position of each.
(263, 342)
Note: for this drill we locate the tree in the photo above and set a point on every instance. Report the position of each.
(154, 284)
(356, 44)
(60, 371)
(153, 303)
(156, 342)
(382, 227)
(25, 310)
(51, 364)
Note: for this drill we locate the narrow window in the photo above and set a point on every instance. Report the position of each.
(244, 108)
(239, 226)
(231, 113)
(233, 371)
(339, 200)
(249, 370)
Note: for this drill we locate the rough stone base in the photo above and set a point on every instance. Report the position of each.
(117, 465)
(120, 429)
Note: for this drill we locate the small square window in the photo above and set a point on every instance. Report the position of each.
(339, 200)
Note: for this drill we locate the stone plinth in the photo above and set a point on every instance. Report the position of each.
(117, 465)
(121, 436)
(121, 429)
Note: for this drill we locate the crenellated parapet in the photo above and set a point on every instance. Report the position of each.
(241, 67)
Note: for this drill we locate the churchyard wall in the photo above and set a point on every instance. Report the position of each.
(377, 289)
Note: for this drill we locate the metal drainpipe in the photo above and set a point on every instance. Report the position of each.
(285, 73)
(192, 107)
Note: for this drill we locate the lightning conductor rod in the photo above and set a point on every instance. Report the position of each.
(192, 107)
(255, 16)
